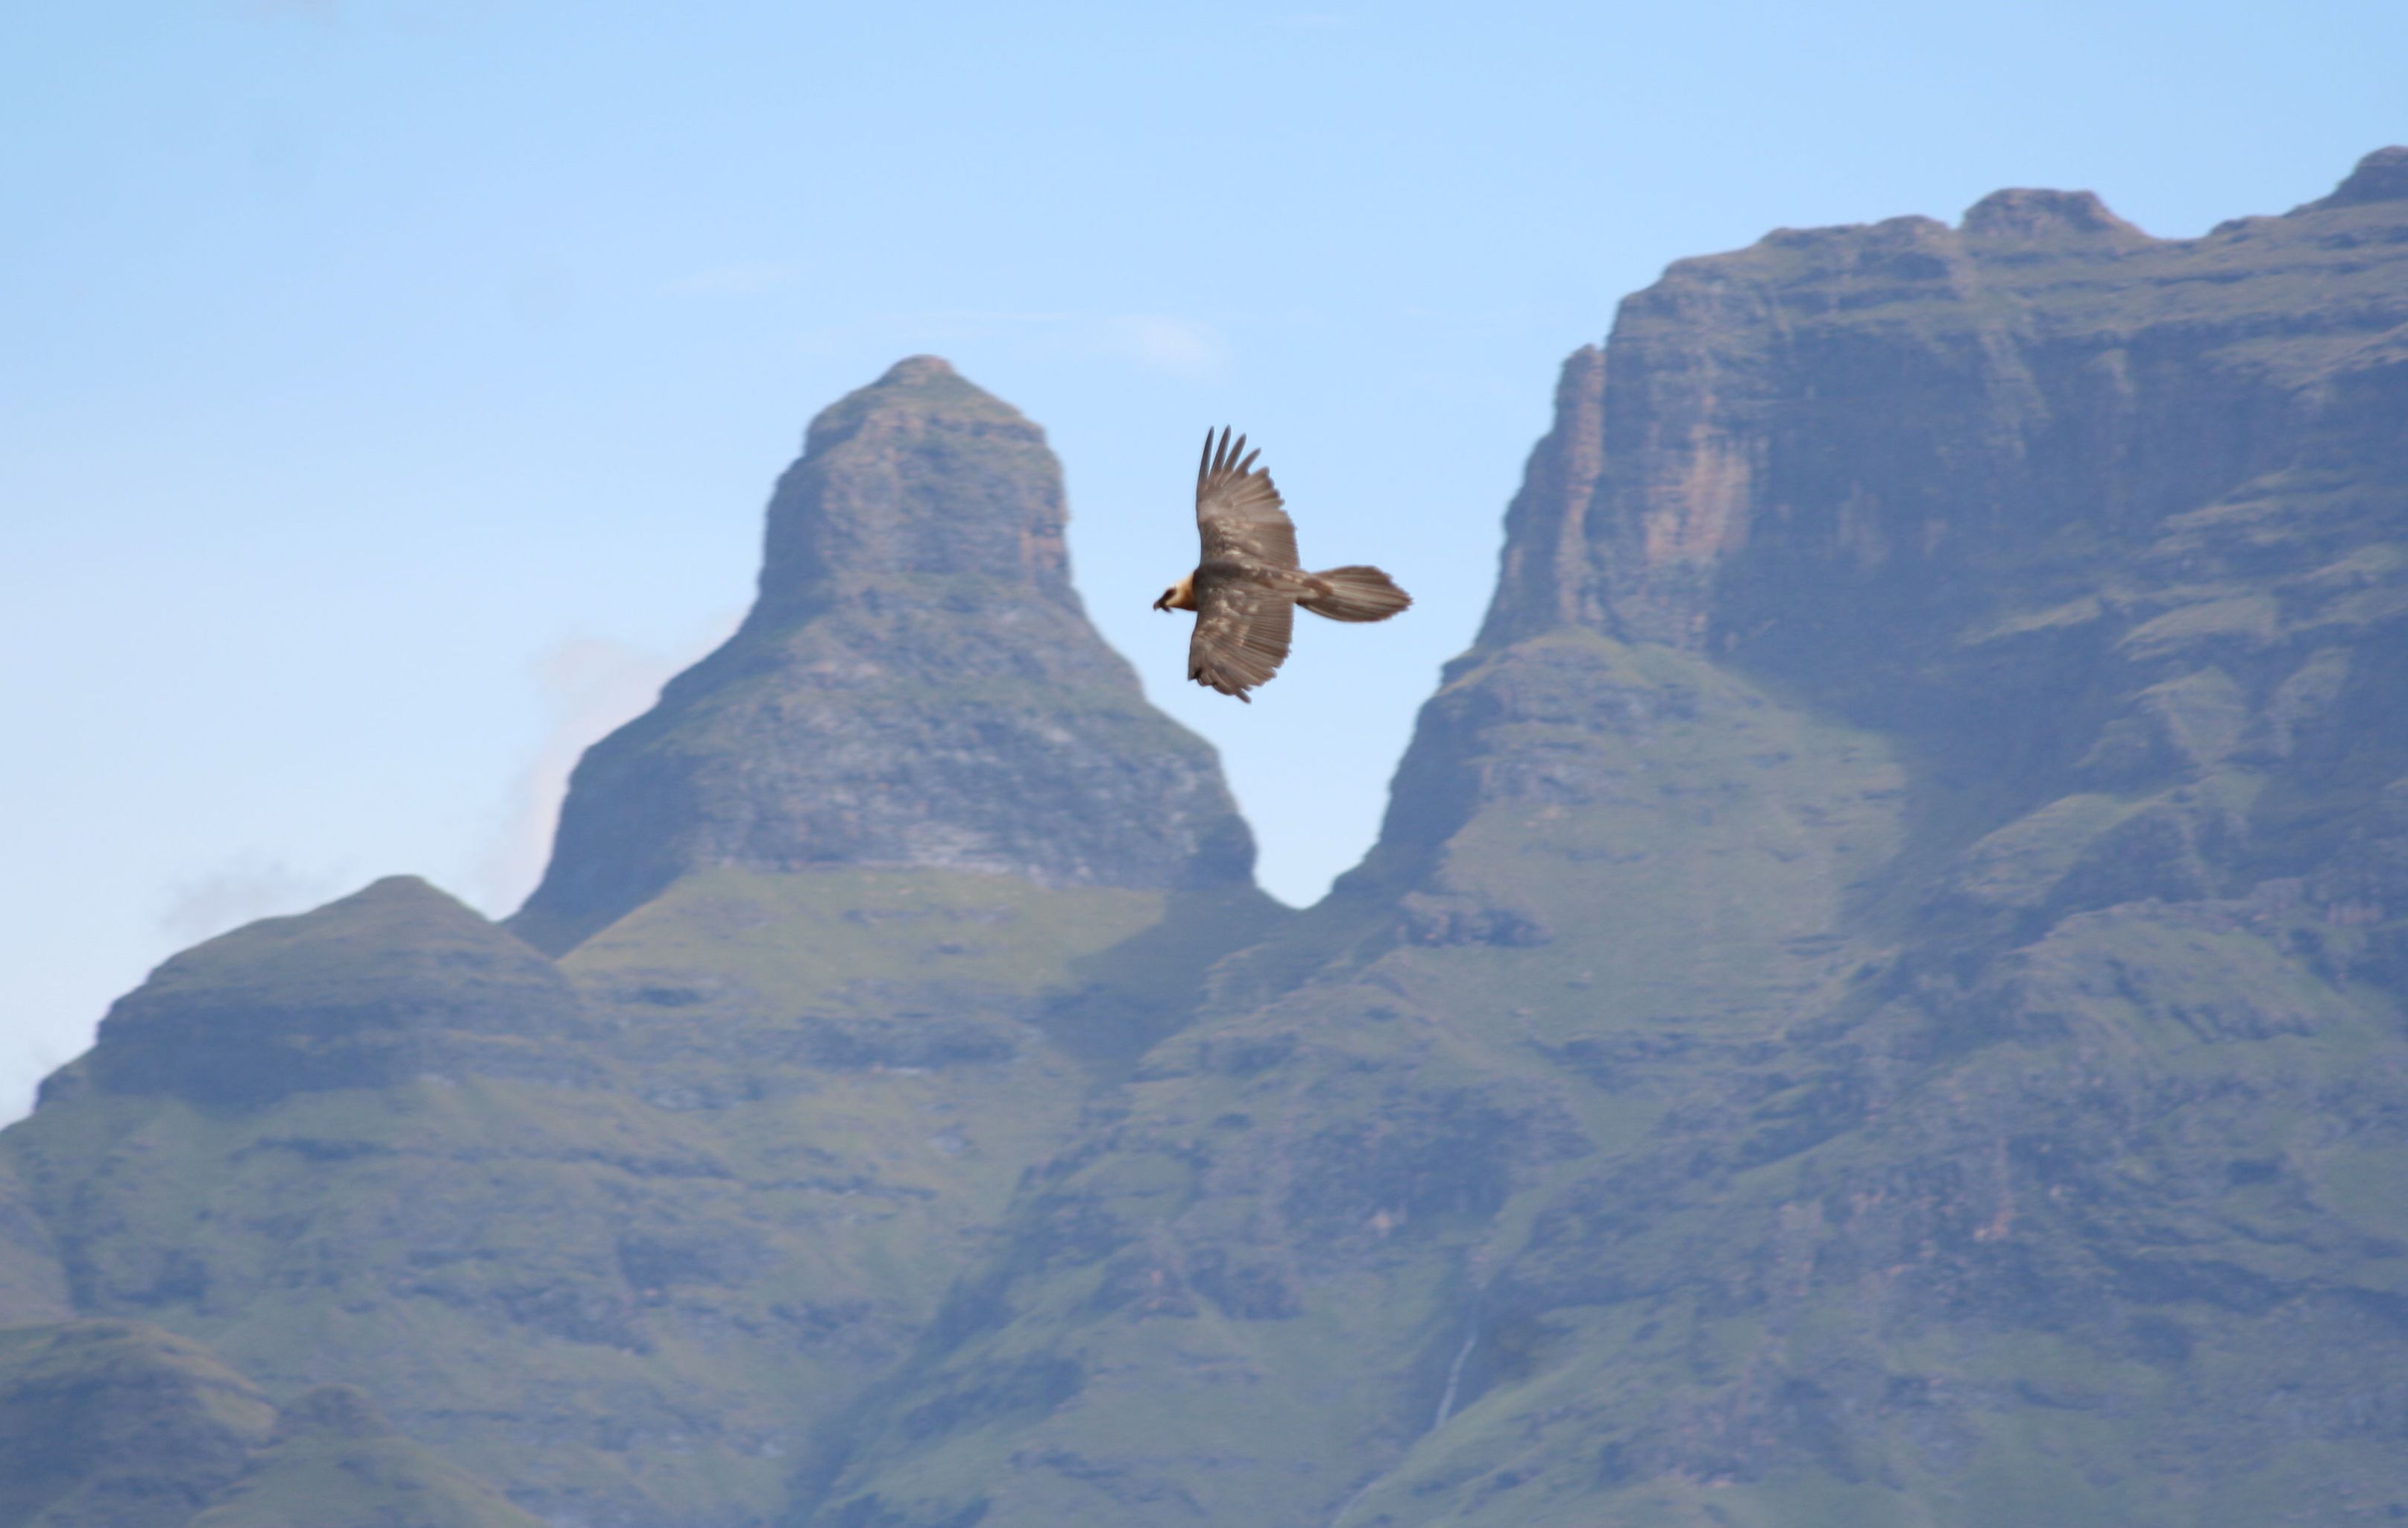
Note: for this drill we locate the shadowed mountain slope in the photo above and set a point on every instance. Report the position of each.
(112, 1424)
(116, 1424)
(333, 1462)
(32, 1281)
(1878, 999)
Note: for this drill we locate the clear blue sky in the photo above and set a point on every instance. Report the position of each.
(390, 389)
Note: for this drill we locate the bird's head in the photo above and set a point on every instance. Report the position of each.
(1179, 597)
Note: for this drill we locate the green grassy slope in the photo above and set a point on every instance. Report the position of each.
(1710, 1200)
(333, 1462)
(120, 1424)
(114, 1424)
(784, 1113)
(1244, 1296)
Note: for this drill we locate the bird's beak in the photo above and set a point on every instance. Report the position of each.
(1162, 603)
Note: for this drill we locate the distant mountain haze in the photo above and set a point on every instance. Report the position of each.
(1881, 996)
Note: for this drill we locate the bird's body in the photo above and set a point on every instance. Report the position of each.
(1247, 584)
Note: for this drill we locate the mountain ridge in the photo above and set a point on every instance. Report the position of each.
(1879, 997)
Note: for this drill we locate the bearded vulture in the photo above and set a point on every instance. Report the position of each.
(1248, 583)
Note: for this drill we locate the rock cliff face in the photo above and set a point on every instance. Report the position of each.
(1877, 998)
(1882, 996)
(916, 686)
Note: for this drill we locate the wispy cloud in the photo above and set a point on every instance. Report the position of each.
(1184, 347)
(591, 687)
(205, 905)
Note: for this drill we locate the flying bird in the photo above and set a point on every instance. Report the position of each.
(1248, 583)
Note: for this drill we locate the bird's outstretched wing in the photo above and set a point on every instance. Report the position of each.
(1237, 513)
(1241, 634)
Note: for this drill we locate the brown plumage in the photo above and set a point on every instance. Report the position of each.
(1248, 583)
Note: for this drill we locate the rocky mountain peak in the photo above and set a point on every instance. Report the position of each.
(917, 685)
(919, 476)
(2380, 177)
(1751, 462)
(920, 370)
(1910, 472)
(2031, 214)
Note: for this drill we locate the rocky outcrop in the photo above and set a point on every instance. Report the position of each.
(1840, 432)
(2069, 501)
(1538, 581)
(917, 685)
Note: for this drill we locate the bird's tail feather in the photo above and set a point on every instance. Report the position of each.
(1356, 594)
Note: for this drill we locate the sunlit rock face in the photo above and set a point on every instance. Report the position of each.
(917, 685)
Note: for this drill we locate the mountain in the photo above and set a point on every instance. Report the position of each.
(1880, 998)
(616, 1207)
(917, 686)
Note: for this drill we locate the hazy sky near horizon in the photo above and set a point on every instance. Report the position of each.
(390, 391)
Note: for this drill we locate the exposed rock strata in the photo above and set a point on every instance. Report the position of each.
(915, 686)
